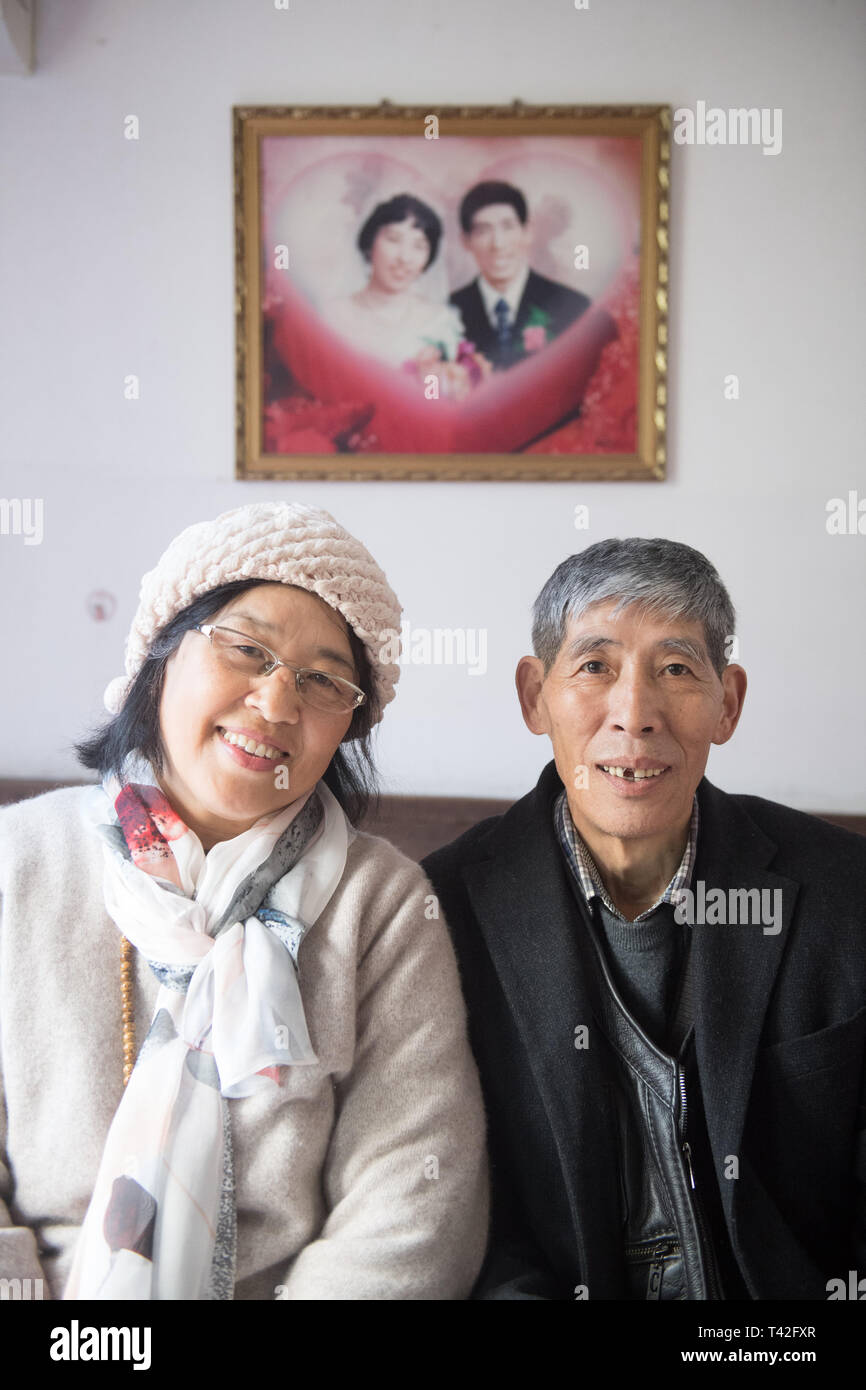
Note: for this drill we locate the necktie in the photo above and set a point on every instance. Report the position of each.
(503, 327)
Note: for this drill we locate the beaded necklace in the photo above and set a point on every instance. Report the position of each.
(128, 1004)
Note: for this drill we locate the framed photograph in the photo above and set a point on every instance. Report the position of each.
(460, 293)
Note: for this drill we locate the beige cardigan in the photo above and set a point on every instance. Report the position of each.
(363, 1177)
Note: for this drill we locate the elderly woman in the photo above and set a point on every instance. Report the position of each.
(234, 1054)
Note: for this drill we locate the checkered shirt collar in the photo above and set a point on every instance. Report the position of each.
(585, 869)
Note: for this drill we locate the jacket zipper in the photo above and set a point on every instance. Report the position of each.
(705, 1249)
(684, 1108)
(714, 1288)
(656, 1255)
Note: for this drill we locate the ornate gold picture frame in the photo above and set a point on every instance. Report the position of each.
(452, 292)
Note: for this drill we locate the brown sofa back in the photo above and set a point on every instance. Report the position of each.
(415, 824)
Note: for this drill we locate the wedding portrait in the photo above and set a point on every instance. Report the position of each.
(472, 295)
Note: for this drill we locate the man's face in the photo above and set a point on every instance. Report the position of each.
(499, 241)
(631, 706)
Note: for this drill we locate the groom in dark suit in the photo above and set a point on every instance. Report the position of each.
(666, 984)
(507, 297)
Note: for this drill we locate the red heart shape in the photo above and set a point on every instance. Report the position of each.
(501, 415)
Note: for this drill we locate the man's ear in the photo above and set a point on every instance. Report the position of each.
(734, 684)
(529, 679)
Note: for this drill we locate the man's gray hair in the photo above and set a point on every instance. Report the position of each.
(668, 578)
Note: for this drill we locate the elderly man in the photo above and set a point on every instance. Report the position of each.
(666, 983)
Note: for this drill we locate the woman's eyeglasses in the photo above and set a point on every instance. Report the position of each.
(321, 690)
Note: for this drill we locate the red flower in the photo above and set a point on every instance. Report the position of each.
(294, 425)
(608, 412)
(534, 337)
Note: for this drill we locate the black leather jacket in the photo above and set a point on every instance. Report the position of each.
(669, 1250)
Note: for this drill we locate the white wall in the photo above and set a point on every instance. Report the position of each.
(117, 257)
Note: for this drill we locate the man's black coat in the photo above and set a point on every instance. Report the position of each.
(561, 304)
(780, 1037)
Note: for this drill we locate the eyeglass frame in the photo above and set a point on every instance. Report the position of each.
(206, 629)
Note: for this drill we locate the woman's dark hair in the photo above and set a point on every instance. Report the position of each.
(397, 210)
(351, 774)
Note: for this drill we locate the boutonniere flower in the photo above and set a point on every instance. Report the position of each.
(536, 335)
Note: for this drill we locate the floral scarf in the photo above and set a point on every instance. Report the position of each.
(221, 932)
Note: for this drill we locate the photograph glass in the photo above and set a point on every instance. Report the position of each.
(451, 300)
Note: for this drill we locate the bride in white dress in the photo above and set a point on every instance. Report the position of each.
(388, 319)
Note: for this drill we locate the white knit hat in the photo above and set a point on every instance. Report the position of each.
(287, 543)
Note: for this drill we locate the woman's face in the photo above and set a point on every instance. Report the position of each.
(399, 253)
(216, 787)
